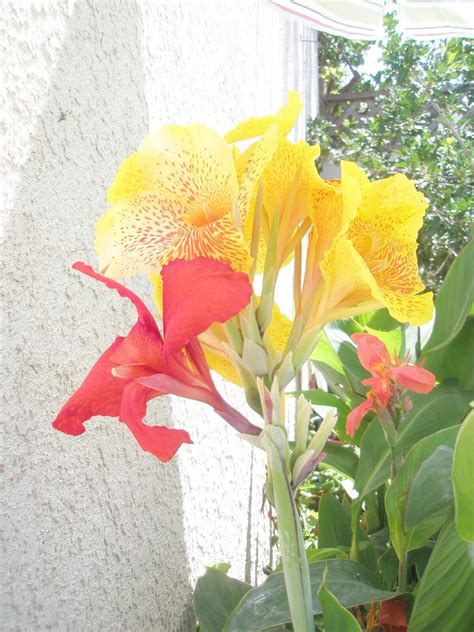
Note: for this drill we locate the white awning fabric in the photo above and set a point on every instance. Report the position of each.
(363, 19)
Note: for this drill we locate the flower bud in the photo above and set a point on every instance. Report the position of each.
(318, 442)
(303, 412)
(304, 465)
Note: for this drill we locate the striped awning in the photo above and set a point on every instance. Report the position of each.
(363, 19)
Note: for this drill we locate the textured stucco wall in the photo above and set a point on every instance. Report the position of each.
(97, 535)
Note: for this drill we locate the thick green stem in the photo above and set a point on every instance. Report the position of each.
(295, 562)
(402, 572)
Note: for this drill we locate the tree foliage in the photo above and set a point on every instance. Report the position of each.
(420, 126)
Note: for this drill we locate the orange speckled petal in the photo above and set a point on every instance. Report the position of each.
(351, 287)
(139, 234)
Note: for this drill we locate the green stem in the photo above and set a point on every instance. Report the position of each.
(402, 572)
(295, 561)
(355, 511)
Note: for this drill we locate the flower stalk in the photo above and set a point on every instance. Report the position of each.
(294, 559)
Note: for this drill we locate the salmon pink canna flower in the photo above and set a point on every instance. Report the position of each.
(145, 364)
(387, 380)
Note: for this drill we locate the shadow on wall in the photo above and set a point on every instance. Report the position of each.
(94, 535)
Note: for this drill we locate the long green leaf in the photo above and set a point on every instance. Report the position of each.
(455, 360)
(454, 300)
(267, 605)
(403, 538)
(215, 596)
(445, 597)
(445, 406)
(374, 462)
(431, 490)
(463, 479)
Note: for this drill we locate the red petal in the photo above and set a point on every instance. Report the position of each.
(371, 352)
(197, 293)
(144, 314)
(99, 394)
(161, 441)
(414, 378)
(355, 417)
(168, 384)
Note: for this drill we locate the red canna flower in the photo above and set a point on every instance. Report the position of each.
(144, 365)
(387, 380)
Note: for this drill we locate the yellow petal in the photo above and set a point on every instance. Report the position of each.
(290, 160)
(192, 164)
(251, 166)
(351, 288)
(390, 208)
(279, 329)
(137, 235)
(285, 117)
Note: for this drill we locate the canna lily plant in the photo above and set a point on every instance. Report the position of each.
(213, 224)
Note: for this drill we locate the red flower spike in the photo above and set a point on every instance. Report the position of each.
(116, 385)
(197, 293)
(387, 380)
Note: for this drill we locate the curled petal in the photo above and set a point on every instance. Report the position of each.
(372, 352)
(285, 118)
(354, 418)
(197, 293)
(144, 314)
(414, 378)
(160, 441)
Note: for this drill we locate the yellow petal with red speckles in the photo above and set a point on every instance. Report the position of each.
(145, 232)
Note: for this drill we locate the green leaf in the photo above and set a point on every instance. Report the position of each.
(445, 406)
(388, 566)
(431, 490)
(374, 462)
(335, 529)
(405, 539)
(463, 479)
(336, 617)
(215, 597)
(341, 458)
(351, 583)
(444, 599)
(315, 555)
(454, 360)
(454, 300)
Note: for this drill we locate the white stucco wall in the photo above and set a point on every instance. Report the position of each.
(96, 534)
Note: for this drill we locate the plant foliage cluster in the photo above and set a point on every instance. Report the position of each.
(396, 550)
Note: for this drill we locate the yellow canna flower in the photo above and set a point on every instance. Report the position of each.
(180, 196)
(371, 262)
(287, 180)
